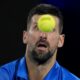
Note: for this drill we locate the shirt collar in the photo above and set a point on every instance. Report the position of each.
(23, 72)
(22, 69)
(53, 73)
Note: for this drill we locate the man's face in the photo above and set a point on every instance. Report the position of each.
(42, 45)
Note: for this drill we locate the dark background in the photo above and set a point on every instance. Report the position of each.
(13, 14)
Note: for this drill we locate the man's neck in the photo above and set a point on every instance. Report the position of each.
(38, 72)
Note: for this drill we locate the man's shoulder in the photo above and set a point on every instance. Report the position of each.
(67, 75)
(7, 70)
(9, 65)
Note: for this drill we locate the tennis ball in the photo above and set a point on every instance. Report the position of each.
(46, 23)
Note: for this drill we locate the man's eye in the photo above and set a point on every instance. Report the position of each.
(35, 27)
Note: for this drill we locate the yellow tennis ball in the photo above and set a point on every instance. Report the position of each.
(46, 23)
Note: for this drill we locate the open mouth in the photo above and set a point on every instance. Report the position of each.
(41, 44)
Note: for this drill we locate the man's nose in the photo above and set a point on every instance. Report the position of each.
(43, 35)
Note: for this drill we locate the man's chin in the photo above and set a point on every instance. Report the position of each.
(41, 57)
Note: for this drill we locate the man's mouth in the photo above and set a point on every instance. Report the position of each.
(42, 46)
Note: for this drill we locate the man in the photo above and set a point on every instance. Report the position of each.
(39, 62)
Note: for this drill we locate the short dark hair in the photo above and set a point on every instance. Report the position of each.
(46, 9)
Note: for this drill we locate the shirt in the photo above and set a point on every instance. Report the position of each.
(57, 72)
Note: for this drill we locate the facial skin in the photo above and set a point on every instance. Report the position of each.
(41, 46)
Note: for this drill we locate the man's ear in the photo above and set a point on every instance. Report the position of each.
(61, 40)
(25, 37)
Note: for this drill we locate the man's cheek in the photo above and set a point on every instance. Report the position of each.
(32, 40)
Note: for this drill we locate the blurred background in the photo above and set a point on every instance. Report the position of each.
(13, 15)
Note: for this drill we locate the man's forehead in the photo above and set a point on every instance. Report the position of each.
(35, 18)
